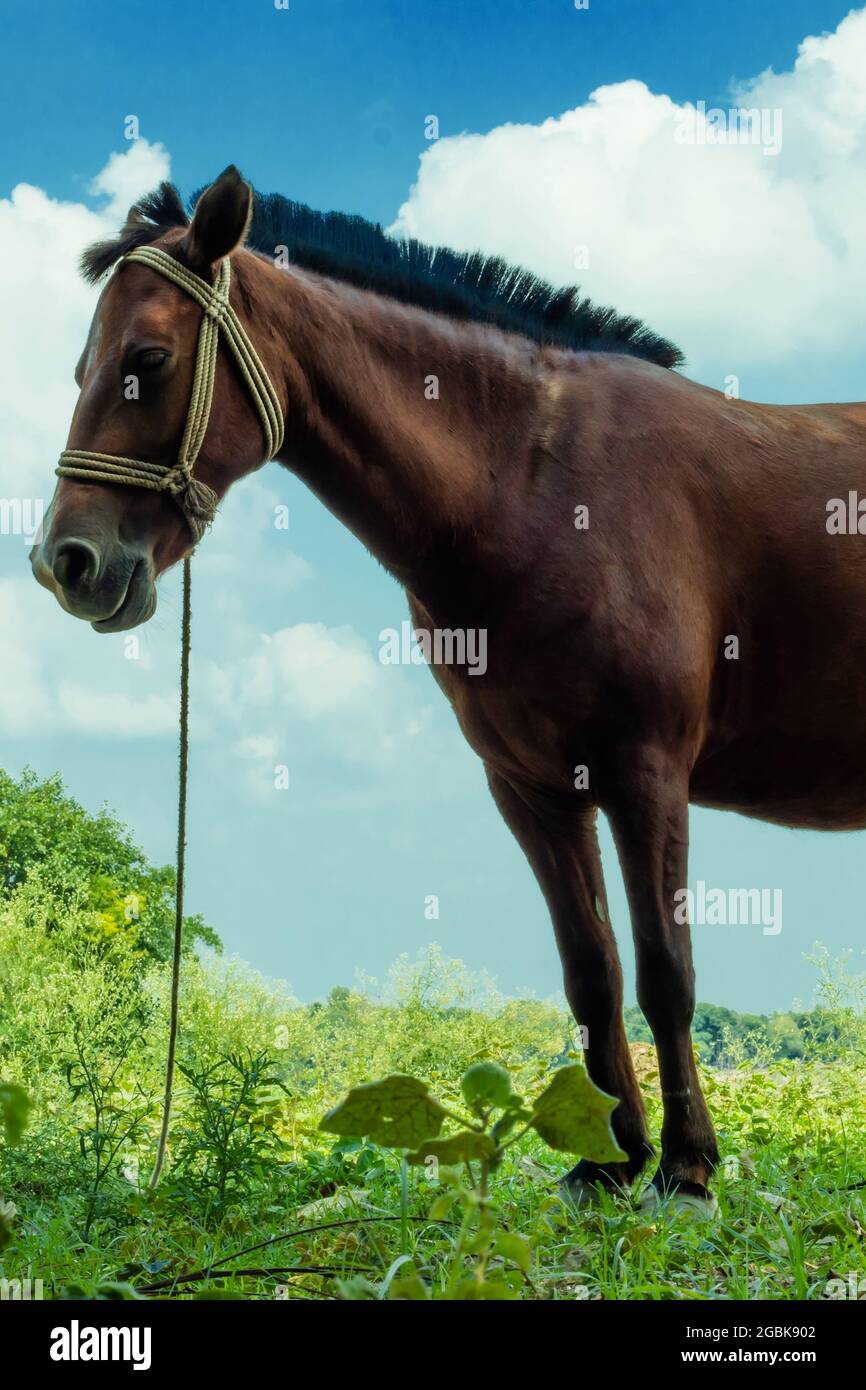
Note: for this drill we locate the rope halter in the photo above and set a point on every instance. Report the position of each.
(196, 500)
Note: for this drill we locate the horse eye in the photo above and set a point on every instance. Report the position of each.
(152, 358)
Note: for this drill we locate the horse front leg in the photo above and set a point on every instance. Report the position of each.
(562, 848)
(648, 813)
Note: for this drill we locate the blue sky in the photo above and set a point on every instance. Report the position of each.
(326, 103)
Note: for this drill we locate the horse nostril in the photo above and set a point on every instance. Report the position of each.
(76, 563)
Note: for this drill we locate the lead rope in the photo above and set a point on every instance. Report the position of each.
(198, 503)
(183, 761)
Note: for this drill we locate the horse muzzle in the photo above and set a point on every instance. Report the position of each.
(109, 586)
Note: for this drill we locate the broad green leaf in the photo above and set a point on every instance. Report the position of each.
(637, 1236)
(441, 1206)
(409, 1287)
(398, 1113)
(513, 1248)
(485, 1086)
(831, 1224)
(457, 1148)
(108, 1291)
(14, 1108)
(573, 1115)
(478, 1242)
(116, 1291)
(344, 1199)
(515, 1114)
(470, 1290)
(356, 1289)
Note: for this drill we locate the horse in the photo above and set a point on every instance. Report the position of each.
(670, 616)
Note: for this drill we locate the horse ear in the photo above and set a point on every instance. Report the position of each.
(221, 220)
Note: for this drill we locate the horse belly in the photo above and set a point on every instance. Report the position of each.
(811, 782)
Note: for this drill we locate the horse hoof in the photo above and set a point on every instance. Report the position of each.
(579, 1195)
(689, 1205)
(583, 1196)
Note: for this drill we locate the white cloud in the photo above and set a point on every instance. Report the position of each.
(307, 688)
(330, 683)
(110, 696)
(245, 550)
(315, 670)
(115, 715)
(70, 680)
(46, 308)
(25, 705)
(740, 256)
(126, 176)
(257, 746)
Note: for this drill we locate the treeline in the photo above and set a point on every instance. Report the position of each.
(725, 1038)
(92, 861)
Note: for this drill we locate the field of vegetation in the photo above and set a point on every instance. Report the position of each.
(408, 1192)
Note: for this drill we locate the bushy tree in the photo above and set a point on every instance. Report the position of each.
(91, 858)
(715, 1029)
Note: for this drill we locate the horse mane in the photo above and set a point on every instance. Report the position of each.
(462, 284)
(155, 213)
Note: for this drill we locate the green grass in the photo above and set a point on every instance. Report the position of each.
(82, 1027)
(793, 1141)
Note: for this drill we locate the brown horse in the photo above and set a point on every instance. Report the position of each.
(668, 617)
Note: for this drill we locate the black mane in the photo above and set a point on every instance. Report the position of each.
(462, 284)
(147, 219)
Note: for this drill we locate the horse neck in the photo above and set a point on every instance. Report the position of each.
(400, 420)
